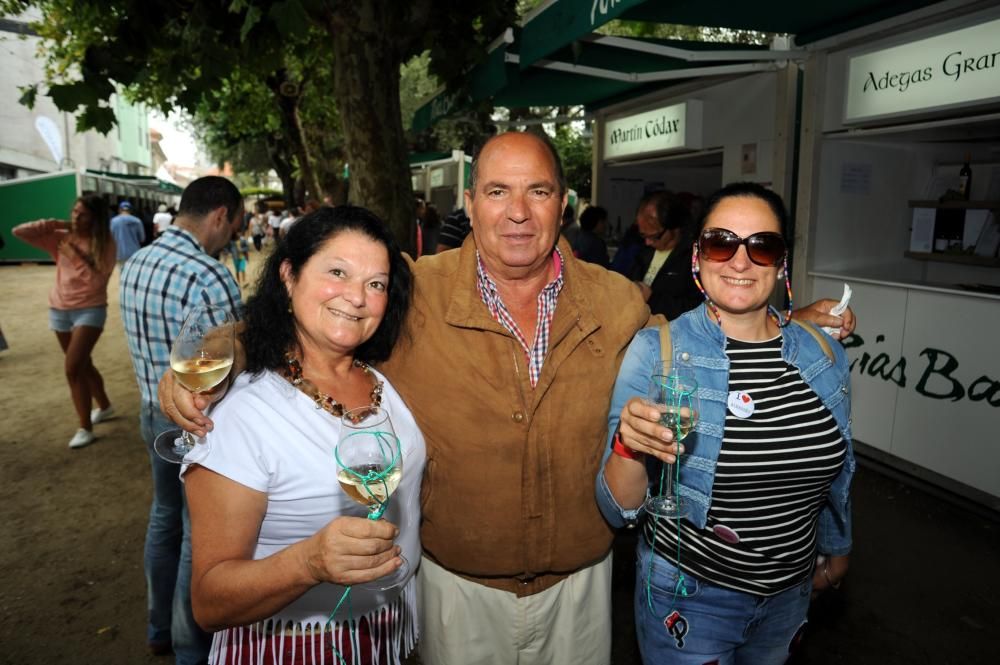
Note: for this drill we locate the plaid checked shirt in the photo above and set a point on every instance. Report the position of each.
(159, 284)
(547, 300)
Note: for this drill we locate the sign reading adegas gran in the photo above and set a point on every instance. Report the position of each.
(672, 128)
(954, 69)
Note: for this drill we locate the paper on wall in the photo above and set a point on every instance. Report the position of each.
(974, 222)
(922, 230)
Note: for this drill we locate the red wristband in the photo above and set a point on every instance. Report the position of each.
(621, 450)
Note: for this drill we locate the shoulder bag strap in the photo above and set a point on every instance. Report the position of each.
(820, 338)
(666, 349)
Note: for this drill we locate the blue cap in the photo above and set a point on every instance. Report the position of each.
(124, 205)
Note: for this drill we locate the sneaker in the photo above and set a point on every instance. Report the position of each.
(99, 415)
(82, 438)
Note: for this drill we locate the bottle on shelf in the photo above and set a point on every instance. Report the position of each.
(965, 178)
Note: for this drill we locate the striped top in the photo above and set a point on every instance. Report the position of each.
(159, 285)
(546, 309)
(772, 477)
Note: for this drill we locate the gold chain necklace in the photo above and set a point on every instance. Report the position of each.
(323, 401)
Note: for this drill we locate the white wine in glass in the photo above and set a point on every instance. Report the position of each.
(369, 468)
(200, 358)
(201, 374)
(676, 395)
(370, 493)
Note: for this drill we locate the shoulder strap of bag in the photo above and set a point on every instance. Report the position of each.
(666, 349)
(820, 338)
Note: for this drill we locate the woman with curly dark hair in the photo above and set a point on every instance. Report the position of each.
(275, 539)
(84, 252)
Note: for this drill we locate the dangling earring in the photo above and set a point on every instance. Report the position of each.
(289, 306)
(788, 289)
(697, 282)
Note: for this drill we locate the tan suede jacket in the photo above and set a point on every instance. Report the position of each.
(508, 491)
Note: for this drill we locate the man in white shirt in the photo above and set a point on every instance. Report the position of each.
(162, 220)
(274, 221)
(286, 223)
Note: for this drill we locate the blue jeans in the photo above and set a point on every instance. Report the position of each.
(711, 624)
(167, 557)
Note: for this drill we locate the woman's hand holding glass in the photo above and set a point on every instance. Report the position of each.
(353, 550)
(640, 430)
(200, 359)
(186, 409)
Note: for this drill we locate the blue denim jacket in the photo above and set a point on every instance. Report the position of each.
(698, 340)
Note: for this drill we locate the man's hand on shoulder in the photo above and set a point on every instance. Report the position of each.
(186, 409)
(819, 314)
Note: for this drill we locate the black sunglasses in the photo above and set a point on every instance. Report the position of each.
(765, 248)
(653, 236)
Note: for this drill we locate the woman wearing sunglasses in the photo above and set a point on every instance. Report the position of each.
(766, 471)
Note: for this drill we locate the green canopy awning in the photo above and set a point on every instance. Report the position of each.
(586, 72)
(146, 180)
(561, 22)
(421, 157)
(556, 59)
(601, 68)
(482, 82)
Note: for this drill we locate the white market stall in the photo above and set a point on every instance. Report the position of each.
(695, 137)
(895, 123)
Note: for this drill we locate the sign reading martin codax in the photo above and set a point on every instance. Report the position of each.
(957, 68)
(669, 129)
(937, 374)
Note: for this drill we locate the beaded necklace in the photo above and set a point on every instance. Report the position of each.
(323, 401)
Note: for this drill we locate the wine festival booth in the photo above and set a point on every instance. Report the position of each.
(51, 196)
(696, 136)
(440, 178)
(900, 184)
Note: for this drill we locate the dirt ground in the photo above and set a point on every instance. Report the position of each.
(923, 586)
(72, 522)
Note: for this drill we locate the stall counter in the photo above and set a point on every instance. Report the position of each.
(925, 366)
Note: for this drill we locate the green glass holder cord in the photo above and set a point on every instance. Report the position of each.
(366, 479)
(679, 588)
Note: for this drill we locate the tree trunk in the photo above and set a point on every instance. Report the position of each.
(284, 170)
(288, 106)
(365, 37)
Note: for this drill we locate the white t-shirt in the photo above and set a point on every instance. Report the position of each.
(162, 221)
(257, 225)
(286, 224)
(271, 437)
(274, 220)
(660, 257)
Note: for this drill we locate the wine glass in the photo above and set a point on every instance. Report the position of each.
(370, 461)
(200, 358)
(676, 395)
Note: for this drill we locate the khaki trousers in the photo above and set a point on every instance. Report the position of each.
(464, 623)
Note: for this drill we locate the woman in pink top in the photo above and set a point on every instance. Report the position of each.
(84, 252)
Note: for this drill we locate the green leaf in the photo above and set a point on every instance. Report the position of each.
(101, 118)
(29, 93)
(71, 96)
(290, 17)
(252, 18)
